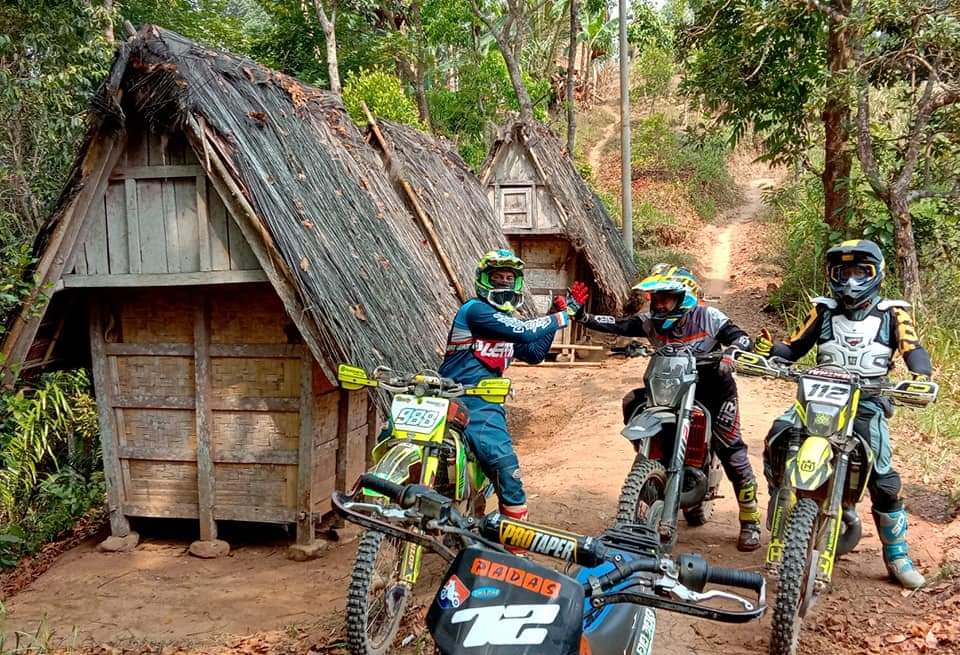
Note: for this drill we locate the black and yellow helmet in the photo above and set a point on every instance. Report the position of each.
(855, 271)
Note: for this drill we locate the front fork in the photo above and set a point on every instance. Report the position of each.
(671, 496)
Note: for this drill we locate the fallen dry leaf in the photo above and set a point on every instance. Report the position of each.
(304, 264)
(897, 639)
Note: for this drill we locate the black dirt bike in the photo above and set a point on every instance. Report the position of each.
(821, 474)
(676, 467)
(492, 602)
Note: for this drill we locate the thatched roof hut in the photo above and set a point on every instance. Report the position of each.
(553, 218)
(228, 236)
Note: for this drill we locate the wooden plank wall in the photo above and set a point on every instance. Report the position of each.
(159, 215)
(549, 265)
(515, 171)
(258, 378)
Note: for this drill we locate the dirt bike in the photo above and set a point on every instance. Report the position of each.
(425, 445)
(676, 467)
(492, 602)
(824, 470)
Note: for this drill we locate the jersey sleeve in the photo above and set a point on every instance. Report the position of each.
(727, 332)
(628, 326)
(915, 356)
(485, 321)
(803, 339)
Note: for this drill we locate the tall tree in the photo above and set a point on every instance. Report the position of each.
(908, 55)
(571, 79)
(329, 24)
(508, 36)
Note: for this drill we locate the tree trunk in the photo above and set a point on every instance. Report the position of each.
(836, 124)
(421, 67)
(516, 78)
(330, 36)
(906, 249)
(571, 79)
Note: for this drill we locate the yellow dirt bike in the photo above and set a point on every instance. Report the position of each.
(424, 445)
(824, 472)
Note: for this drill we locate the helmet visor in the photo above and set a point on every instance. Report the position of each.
(855, 272)
(663, 303)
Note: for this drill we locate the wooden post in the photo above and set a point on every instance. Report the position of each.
(201, 365)
(426, 224)
(343, 431)
(103, 388)
(305, 464)
(373, 429)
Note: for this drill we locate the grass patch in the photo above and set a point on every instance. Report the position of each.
(698, 160)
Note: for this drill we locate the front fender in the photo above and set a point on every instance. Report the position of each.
(812, 466)
(396, 464)
(648, 423)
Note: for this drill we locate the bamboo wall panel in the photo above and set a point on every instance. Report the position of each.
(160, 484)
(248, 314)
(233, 377)
(255, 485)
(158, 317)
(161, 430)
(155, 376)
(253, 435)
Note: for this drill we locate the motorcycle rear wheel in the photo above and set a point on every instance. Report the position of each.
(644, 486)
(794, 573)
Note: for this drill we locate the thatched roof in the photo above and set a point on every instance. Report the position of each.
(445, 187)
(586, 222)
(371, 289)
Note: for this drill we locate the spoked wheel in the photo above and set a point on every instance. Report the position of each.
(797, 578)
(377, 598)
(641, 498)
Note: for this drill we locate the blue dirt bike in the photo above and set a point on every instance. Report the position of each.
(492, 602)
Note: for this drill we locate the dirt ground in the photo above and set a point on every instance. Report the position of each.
(566, 424)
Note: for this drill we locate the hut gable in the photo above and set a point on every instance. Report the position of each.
(209, 168)
(541, 200)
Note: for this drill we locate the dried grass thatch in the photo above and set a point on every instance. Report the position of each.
(586, 222)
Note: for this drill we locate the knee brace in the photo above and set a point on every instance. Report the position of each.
(508, 482)
(885, 492)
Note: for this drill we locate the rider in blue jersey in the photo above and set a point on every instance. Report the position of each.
(484, 339)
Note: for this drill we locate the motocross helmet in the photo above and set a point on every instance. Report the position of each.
(676, 282)
(505, 299)
(855, 271)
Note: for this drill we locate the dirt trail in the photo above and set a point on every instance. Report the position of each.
(566, 422)
(595, 156)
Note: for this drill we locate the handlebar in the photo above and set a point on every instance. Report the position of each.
(637, 350)
(683, 579)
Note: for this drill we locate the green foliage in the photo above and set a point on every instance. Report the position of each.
(53, 54)
(646, 259)
(652, 227)
(651, 72)
(648, 29)
(697, 158)
(50, 460)
(758, 66)
(383, 94)
(227, 24)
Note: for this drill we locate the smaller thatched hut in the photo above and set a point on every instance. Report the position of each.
(553, 220)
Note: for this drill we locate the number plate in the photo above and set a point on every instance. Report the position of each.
(421, 417)
(826, 392)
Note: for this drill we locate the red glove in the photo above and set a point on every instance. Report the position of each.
(576, 298)
(559, 304)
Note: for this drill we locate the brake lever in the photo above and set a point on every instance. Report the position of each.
(683, 593)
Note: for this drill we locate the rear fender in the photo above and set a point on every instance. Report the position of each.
(649, 423)
(812, 466)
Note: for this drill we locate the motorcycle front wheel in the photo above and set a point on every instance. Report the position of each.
(377, 598)
(643, 488)
(795, 582)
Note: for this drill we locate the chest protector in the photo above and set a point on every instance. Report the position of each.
(863, 347)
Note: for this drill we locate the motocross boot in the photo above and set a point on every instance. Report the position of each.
(749, 538)
(892, 528)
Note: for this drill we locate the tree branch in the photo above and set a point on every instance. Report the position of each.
(832, 14)
(920, 194)
(864, 144)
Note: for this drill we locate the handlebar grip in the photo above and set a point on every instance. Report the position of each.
(735, 578)
(391, 490)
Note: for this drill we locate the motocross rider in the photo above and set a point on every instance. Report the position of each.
(859, 331)
(483, 340)
(678, 316)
